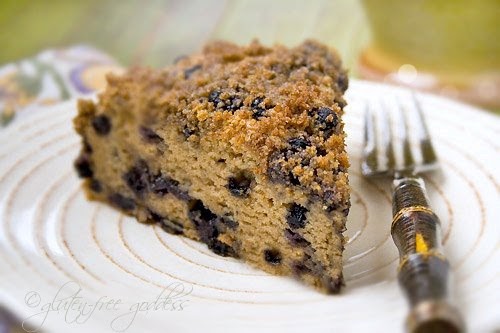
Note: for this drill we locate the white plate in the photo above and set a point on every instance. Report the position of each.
(51, 235)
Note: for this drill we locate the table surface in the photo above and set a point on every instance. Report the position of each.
(154, 32)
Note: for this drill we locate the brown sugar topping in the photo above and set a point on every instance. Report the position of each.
(281, 105)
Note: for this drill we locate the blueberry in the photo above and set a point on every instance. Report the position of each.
(298, 144)
(187, 131)
(332, 198)
(257, 108)
(95, 186)
(221, 248)
(207, 224)
(137, 178)
(296, 216)
(272, 256)
(277, 159)
(189, 71)
(326, 120)
(121, 201)
(180, 194)
(256, 103)
(299, 268)
(101, 124)
(233, 103)
(342, 81)
(82, 166)
(201, 212)
(214, 97)
(172, 227)
(296, 239)
(294, 180)
(167, 225)
(154, 217)
(204, 221)
(345, 211)
(87, 148)
(257, 114)
(239, 185)
(162, 185)
(229, 222)
(275, 169)
(320, 151)
(148, 135)
(308, 265)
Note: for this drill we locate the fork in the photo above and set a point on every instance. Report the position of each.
(423, 268)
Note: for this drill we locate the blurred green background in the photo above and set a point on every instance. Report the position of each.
(437, 37)
(154, 32)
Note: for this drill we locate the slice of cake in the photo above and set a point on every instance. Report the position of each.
(241, 148)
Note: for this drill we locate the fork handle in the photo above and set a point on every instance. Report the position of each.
(423, 269)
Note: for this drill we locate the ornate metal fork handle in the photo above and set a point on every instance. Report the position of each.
(416, 230)
(423, 268)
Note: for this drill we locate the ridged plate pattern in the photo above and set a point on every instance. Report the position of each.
(51, 235)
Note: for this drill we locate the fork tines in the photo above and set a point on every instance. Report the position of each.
(397, 140)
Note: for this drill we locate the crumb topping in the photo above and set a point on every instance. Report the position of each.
(281, 105)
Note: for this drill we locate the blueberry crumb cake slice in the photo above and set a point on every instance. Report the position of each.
(241, 148)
